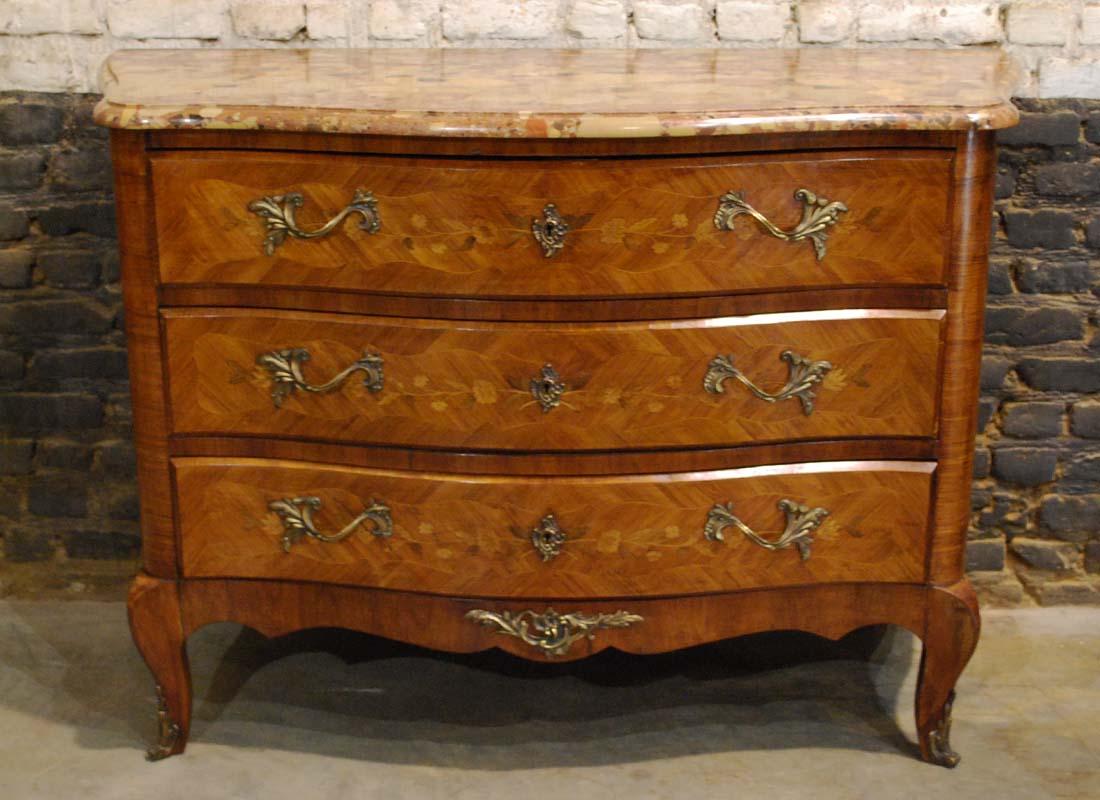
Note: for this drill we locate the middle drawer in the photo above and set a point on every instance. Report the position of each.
(550, 387)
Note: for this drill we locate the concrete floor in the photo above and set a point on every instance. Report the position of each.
(329, 714)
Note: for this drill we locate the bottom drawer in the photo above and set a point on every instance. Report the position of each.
(560, 537)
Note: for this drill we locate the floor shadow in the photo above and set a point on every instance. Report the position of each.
(339, 692)
(342, 693)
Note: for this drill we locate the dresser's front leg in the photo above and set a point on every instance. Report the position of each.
(157, 627)
(951, 634)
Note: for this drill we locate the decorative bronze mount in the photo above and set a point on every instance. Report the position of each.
(550, 231)
(551, 632)
(939, 740)
(802, 375)
(285, 369)
(297, 516)
(548, 538)
(278, 213)
(802, 521)
(548, 388)
(818, 214)
(168, 731)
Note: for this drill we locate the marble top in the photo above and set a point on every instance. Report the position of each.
(543, 94)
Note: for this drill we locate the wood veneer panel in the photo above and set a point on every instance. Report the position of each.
(475, 147)
(629, 385)
(639, 227)
(276, 608)
(972, 204)
(133, 199)
(626, 535)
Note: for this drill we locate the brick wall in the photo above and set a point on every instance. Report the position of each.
(67, 501)
(1036, 496)
(66, 460)
(57, 45)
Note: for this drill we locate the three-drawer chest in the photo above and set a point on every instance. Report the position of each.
(555, 351)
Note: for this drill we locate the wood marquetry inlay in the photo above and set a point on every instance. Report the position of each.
(624, 385)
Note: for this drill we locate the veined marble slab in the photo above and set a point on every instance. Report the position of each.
(545, 94)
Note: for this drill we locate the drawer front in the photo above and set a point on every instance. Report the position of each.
(528, 386)
(554, 537)
(458, 228)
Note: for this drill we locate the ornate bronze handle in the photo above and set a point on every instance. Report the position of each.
(550, 230)
(548, 538)
(285, 370)
(802, 375)
(802, 521)
(551, 632)
(297, 516)
(818, 214)
(548, 388)
(278, 212)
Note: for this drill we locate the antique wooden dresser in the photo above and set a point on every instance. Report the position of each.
(555, 351)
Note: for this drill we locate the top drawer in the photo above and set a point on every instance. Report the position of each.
(463, 228)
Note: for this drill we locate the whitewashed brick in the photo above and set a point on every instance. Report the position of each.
(894, 21)
(52, 62)
(672, 20)
(753, 20)
(954, 22)
(57, 45)
(1090, 25)
(597, 19)
(1066, 77)
(268, 19)
(30, 17)
(328, 19)
(499, 19)
(37, 63)
(823, 21)
(1039, 23)
(962, 22)
(149, 19)
(402, 20)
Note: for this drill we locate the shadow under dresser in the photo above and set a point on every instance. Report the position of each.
(555, 351)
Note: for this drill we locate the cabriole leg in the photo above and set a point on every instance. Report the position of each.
(157, 627)
(951, 634)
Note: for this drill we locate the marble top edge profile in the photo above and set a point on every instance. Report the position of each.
(544, 94)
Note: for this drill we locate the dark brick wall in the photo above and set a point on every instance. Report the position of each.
(67, 466)
(66, 460)
(1036, 499)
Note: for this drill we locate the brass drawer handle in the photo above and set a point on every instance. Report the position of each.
(297, 516)
(802, 521)
(551, 632)
(547, 388)
(548, 538)
(278, 212)
(550, 231)
(285, 370)
(802, 375)
(818, 214)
